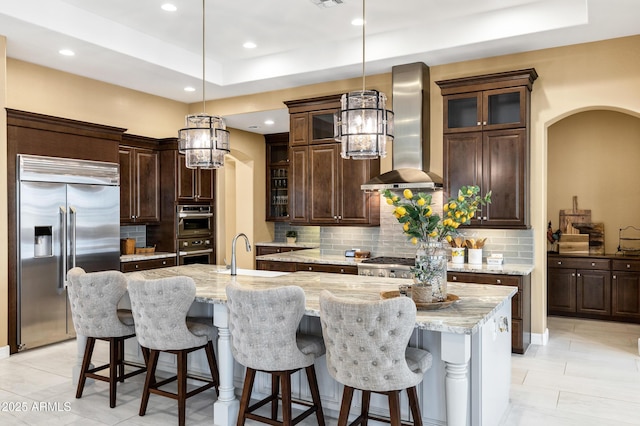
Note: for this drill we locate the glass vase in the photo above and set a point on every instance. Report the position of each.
(431, 269)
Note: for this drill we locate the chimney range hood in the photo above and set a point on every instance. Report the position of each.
(411, 147)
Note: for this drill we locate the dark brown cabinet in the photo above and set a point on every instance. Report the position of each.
(324, 189)
(520, 303)
(486, 142)
(277, 191)
(625, 280)
(139, 184)
(579, 287)
(270, 265)
(193, 184)
(143, 265)
(263, 250)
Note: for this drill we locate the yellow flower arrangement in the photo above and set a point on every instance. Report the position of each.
(418, 221)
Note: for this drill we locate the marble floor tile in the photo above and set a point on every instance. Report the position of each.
(610, 411)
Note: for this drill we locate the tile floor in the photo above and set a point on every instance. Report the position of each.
(588, 374)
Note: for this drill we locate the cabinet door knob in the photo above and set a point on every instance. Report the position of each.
(277, 250)
(454, 278)
(559, 262)
(615, 276)
(593, 263)
(310, 268)
(342, 270)
(484, 123)
(478, 123)
(137, 266)
(573, 274)
(579, 275)
(498, 281)
(628, 266)
(164, 262)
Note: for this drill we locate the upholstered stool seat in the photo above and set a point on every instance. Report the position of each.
(263, 326)
(94, 301)
(367, 350)
(160, 312)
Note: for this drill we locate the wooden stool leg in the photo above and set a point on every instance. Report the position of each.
(275, 390)
(347, 396)
(114, 353)
(151, 373)
(182, 386)
(315, 393)
(213, 365)
(86, 361)
(249, 377)
(394, 407)
(120, 344)
(415, 407)
(286, 398)
(366, 403)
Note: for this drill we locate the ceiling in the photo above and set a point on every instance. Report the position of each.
(136, 44)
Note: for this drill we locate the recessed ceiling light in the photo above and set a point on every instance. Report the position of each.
(249, 45)
(269, 122)
(169, 7)
(358, 22)
(189, 89)
(66, 52)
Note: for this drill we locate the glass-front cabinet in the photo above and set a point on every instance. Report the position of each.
(485, 110)
(277, 208)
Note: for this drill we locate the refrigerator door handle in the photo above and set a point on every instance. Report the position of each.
(73, 217)
(62, 282)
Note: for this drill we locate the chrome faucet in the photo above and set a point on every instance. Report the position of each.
(234, 270)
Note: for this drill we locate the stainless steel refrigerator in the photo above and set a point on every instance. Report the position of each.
(68, 215)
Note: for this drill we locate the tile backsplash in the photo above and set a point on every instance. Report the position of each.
(137, 232)
(388, 239)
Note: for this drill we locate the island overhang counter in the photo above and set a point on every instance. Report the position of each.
(470, 341)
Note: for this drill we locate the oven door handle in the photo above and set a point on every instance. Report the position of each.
(190, 252)
(195, 215)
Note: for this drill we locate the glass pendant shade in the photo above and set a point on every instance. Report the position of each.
(204, 141)
(363, 125)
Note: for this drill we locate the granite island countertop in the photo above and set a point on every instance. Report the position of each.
(315, 256)
(145, 256)
(476, 305)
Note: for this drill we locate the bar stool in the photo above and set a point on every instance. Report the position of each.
(160, 309)
(263, 325)
(367, 350)
(94, 301)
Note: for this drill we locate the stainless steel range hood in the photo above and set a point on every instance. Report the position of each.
(411, 147)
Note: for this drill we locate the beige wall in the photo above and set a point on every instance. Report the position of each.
(594, 155)
(572, 79)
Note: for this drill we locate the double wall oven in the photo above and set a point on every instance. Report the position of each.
(195, 234)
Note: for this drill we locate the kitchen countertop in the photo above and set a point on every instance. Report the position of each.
(285, 244)
(145, 256)
(314, 256)
(477, 303)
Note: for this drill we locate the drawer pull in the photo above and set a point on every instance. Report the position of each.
(579, 275)
(559, 262)
(498, 281)
(277, 250)
(593, 263)
(615, 277)
(628, 265)
(311, 268)
(137, 266)
(454, 278)
(573, 274)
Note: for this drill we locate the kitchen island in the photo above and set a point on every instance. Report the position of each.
(468, 383)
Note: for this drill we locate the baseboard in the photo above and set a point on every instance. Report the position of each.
(4, 352)
(540, 339)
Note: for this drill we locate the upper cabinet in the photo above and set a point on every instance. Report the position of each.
(139, 180)
(324, 189)
(486, 142)
(277, 190)
(192, 184)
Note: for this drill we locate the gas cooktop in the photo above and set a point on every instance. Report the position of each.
(389, 260)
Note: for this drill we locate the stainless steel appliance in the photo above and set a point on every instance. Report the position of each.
(387, 267)
(195, 250)
(194, 221)
(68, 215)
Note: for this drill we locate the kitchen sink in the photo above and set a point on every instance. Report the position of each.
(253, 272)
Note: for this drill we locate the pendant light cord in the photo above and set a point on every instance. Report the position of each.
(364, 23)
(204, 104)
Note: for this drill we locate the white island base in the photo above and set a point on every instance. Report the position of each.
(470, 341)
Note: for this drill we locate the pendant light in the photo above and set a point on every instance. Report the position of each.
(363, 125)
(204, 140)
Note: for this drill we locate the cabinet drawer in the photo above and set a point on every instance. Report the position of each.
(464, 277)
(578, 263)
(625, 265)
(269, 265)
(262, 250)
(336, 269)
(143, 265)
